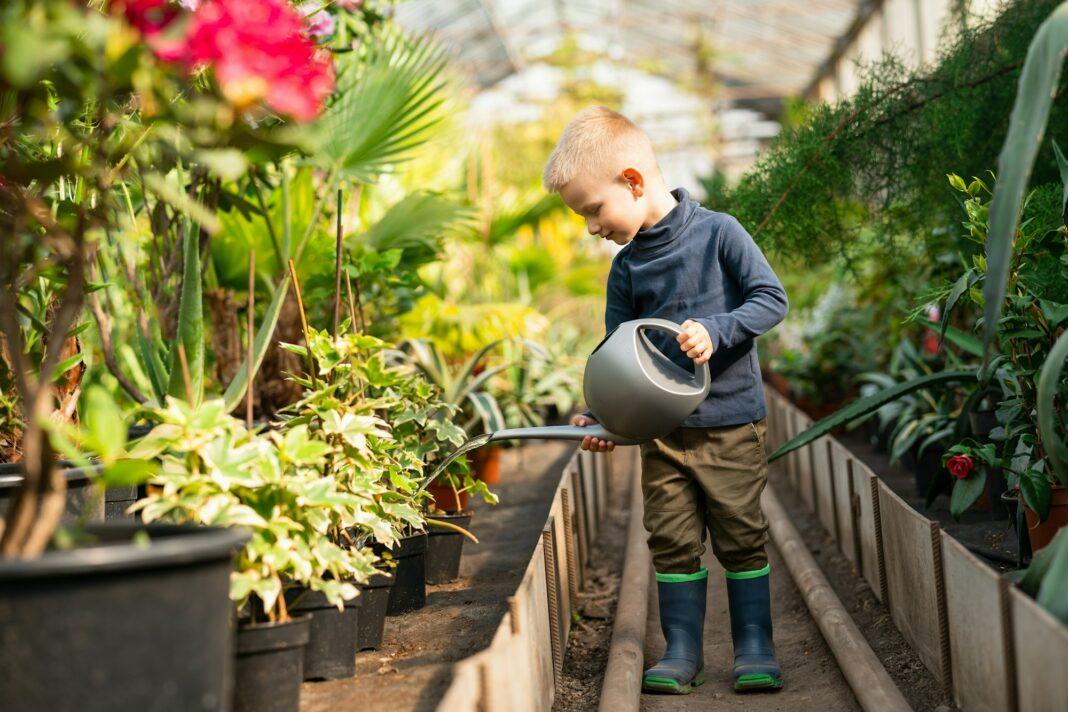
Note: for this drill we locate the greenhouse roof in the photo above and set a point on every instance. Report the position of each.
(754, 48)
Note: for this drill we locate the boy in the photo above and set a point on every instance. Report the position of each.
(700, 269)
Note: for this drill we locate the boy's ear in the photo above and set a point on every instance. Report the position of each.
(634, 181)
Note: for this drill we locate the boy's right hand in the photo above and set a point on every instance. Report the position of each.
(590, 443)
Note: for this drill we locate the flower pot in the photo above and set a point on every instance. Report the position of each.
(118, 625)
(83, 498)
(118, 499)
(409, 577)
(331, 650)
(486, 462)
(270, 665)
(444, 548)
(372, 618)
(1041, 533)
(445, 498)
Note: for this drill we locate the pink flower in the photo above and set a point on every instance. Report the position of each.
(320, 23)
(259, 53)
(191, 5)
(960, 466)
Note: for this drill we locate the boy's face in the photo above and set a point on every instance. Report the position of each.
(614, 208)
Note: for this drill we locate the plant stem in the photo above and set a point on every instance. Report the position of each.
(303, 322)
(249, 336)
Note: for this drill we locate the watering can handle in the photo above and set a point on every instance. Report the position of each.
(702, 376)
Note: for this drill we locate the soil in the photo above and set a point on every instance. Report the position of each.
(579, 688)
(916, 683)
(413, 668)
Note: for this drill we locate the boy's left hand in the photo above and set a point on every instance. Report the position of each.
(695, 341)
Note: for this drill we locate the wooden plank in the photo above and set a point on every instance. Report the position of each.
(556, 521)
(913, 553)
(600, 479)
(978, 631)
(582, 527)
(464, 693)
(821, 485)
(555, 596)
(1040, 643)
(589, 489)
(866, 487)
(843, 499)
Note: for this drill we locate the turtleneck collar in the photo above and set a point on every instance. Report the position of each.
(670, 226)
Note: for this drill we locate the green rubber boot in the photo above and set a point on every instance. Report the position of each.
(682, 618)
(749, 596)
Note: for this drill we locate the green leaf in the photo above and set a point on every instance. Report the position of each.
(127, 473)
(869, 404)
(1051, 594)
(1031, 579)
(1048, 423)
(1062, 164)
(1036, 491)
(226, 163)
(152, 363)
(177, 198)
(387, 103)
(966, 491)
(104, 423)
(190, 325)
(1027, 125)
(959, 288)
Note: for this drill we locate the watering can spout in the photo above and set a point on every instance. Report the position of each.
(561, 432)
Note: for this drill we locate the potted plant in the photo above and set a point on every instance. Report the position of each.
(215, 471)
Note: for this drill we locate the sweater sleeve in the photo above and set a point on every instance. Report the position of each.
(618, 307)
(764, 302)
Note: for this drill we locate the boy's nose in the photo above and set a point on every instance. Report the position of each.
(593, 228)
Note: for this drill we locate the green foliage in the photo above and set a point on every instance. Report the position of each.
(389, 94)
(190, 327)
(216, 472)
(862, 175)
(1039, 83)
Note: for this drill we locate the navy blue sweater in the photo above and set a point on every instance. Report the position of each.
(702, 265)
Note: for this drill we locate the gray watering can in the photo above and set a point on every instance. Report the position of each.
(634, 391)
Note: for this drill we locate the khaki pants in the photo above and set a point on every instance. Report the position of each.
(706, 478)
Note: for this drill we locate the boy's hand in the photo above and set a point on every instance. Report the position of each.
(695, 341)
(589, 443)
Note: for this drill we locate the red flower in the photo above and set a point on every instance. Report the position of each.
(150, 17)
(959, 466)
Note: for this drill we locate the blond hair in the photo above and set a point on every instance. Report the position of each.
(598, 140)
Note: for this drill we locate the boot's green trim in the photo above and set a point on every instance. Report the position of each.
(682, 578)
(656, 683)
(757, 681)
(740, 575)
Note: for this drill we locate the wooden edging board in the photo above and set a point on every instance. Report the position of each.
(519, 669)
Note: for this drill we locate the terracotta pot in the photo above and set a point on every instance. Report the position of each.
(445, 498)
(1041, 533)
(486, 463)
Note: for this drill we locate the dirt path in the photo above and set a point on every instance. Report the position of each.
(413, 668)
(811, 675)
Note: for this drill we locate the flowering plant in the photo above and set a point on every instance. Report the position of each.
(971, 464)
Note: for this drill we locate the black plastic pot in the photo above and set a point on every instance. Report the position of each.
(120, 626)
(270, 665)
(82, 497)
(409, 578)
(372, 618)
(118, 499)
(331, 650)
(444, 548)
